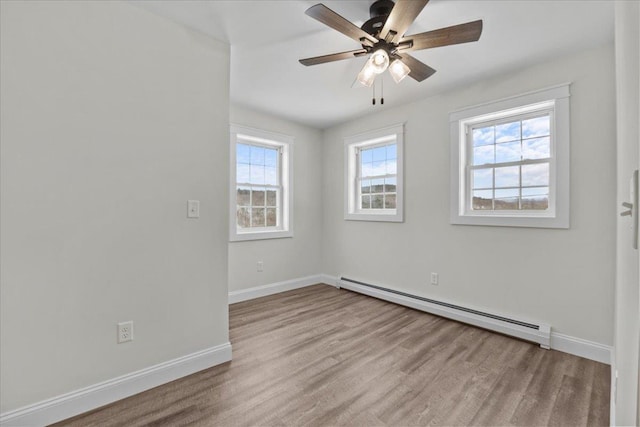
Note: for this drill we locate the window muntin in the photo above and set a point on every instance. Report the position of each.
(377, 176)
(261, 185)
(258, 186)
(509, 163)
(373, 175)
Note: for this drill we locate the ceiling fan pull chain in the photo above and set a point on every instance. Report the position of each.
(381, 91)
(373, 100)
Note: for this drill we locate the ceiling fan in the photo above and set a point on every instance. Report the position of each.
(383, 38)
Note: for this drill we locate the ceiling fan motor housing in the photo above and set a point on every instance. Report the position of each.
(379, 12)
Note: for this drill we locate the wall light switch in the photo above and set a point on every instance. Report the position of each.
(193, 209)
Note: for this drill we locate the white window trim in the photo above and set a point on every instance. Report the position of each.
(559, 174)
(351, 144)
(272, 139)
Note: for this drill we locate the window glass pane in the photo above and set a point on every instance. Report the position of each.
(482, 199)
(243, 196)
(257, 217)
(379, 154)
(506, 204)
(483, 154)
(536, 202)
(508, 152)
(535, 174)
(367, 169)
(366, 202)
(243, 173)
(377, 201)
(243, 219)
(243, 153)
(379, 168)
(390, 185)
(257, 174)
(535, 191)
(270, 176)
(508, 176)
(392, 151)
(257, 197)
(271, 157)
(483, 178)
(272, 217)
(389, 201)
(365, 186)
(257, 155)
(391, 167)
(507, 193)
(538, 126)
(377, 185)
(537, 148)
(483, 136)
(366, 156)
(272, 199)
(508, 132)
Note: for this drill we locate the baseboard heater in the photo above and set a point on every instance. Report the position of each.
(538, 333)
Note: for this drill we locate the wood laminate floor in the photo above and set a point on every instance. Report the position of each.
(323, 356)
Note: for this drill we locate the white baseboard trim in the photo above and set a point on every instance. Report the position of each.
(330, 280)
(97, 395)
(276, 288)
(580, 347)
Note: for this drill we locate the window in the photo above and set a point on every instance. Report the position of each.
(510, 161)
(373, 164)
(260, 184)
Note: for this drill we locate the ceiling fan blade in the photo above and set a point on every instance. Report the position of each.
(419, 70)
(463, 33)
(332, 57)
(401, 17)
(328, 17)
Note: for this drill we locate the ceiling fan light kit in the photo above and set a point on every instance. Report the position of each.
(398, 70)
(383, 38)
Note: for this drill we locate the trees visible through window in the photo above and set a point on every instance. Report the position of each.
(258, 188)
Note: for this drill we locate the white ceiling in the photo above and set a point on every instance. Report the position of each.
(268, 37)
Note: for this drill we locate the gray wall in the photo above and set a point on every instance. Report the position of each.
(562, 277)
(288, 258)
(111, 119)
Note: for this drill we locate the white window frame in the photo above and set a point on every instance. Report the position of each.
(284, 144)
(352, 146)
(556, 101)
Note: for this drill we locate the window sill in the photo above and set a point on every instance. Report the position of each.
(379, 217)
(511, 221)
(260, 235)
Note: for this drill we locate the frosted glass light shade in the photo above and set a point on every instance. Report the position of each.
(367, 75)
(379, 61)
(398, 70)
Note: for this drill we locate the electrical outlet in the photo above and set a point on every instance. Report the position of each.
(434, 279)
(260, 266)
(125, 331)
(193, 208)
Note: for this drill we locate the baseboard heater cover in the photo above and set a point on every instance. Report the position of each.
(538, 333)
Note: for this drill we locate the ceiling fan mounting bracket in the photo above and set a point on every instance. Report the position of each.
(379, 12)
(381, 8)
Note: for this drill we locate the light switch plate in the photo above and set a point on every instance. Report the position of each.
(193, 209)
